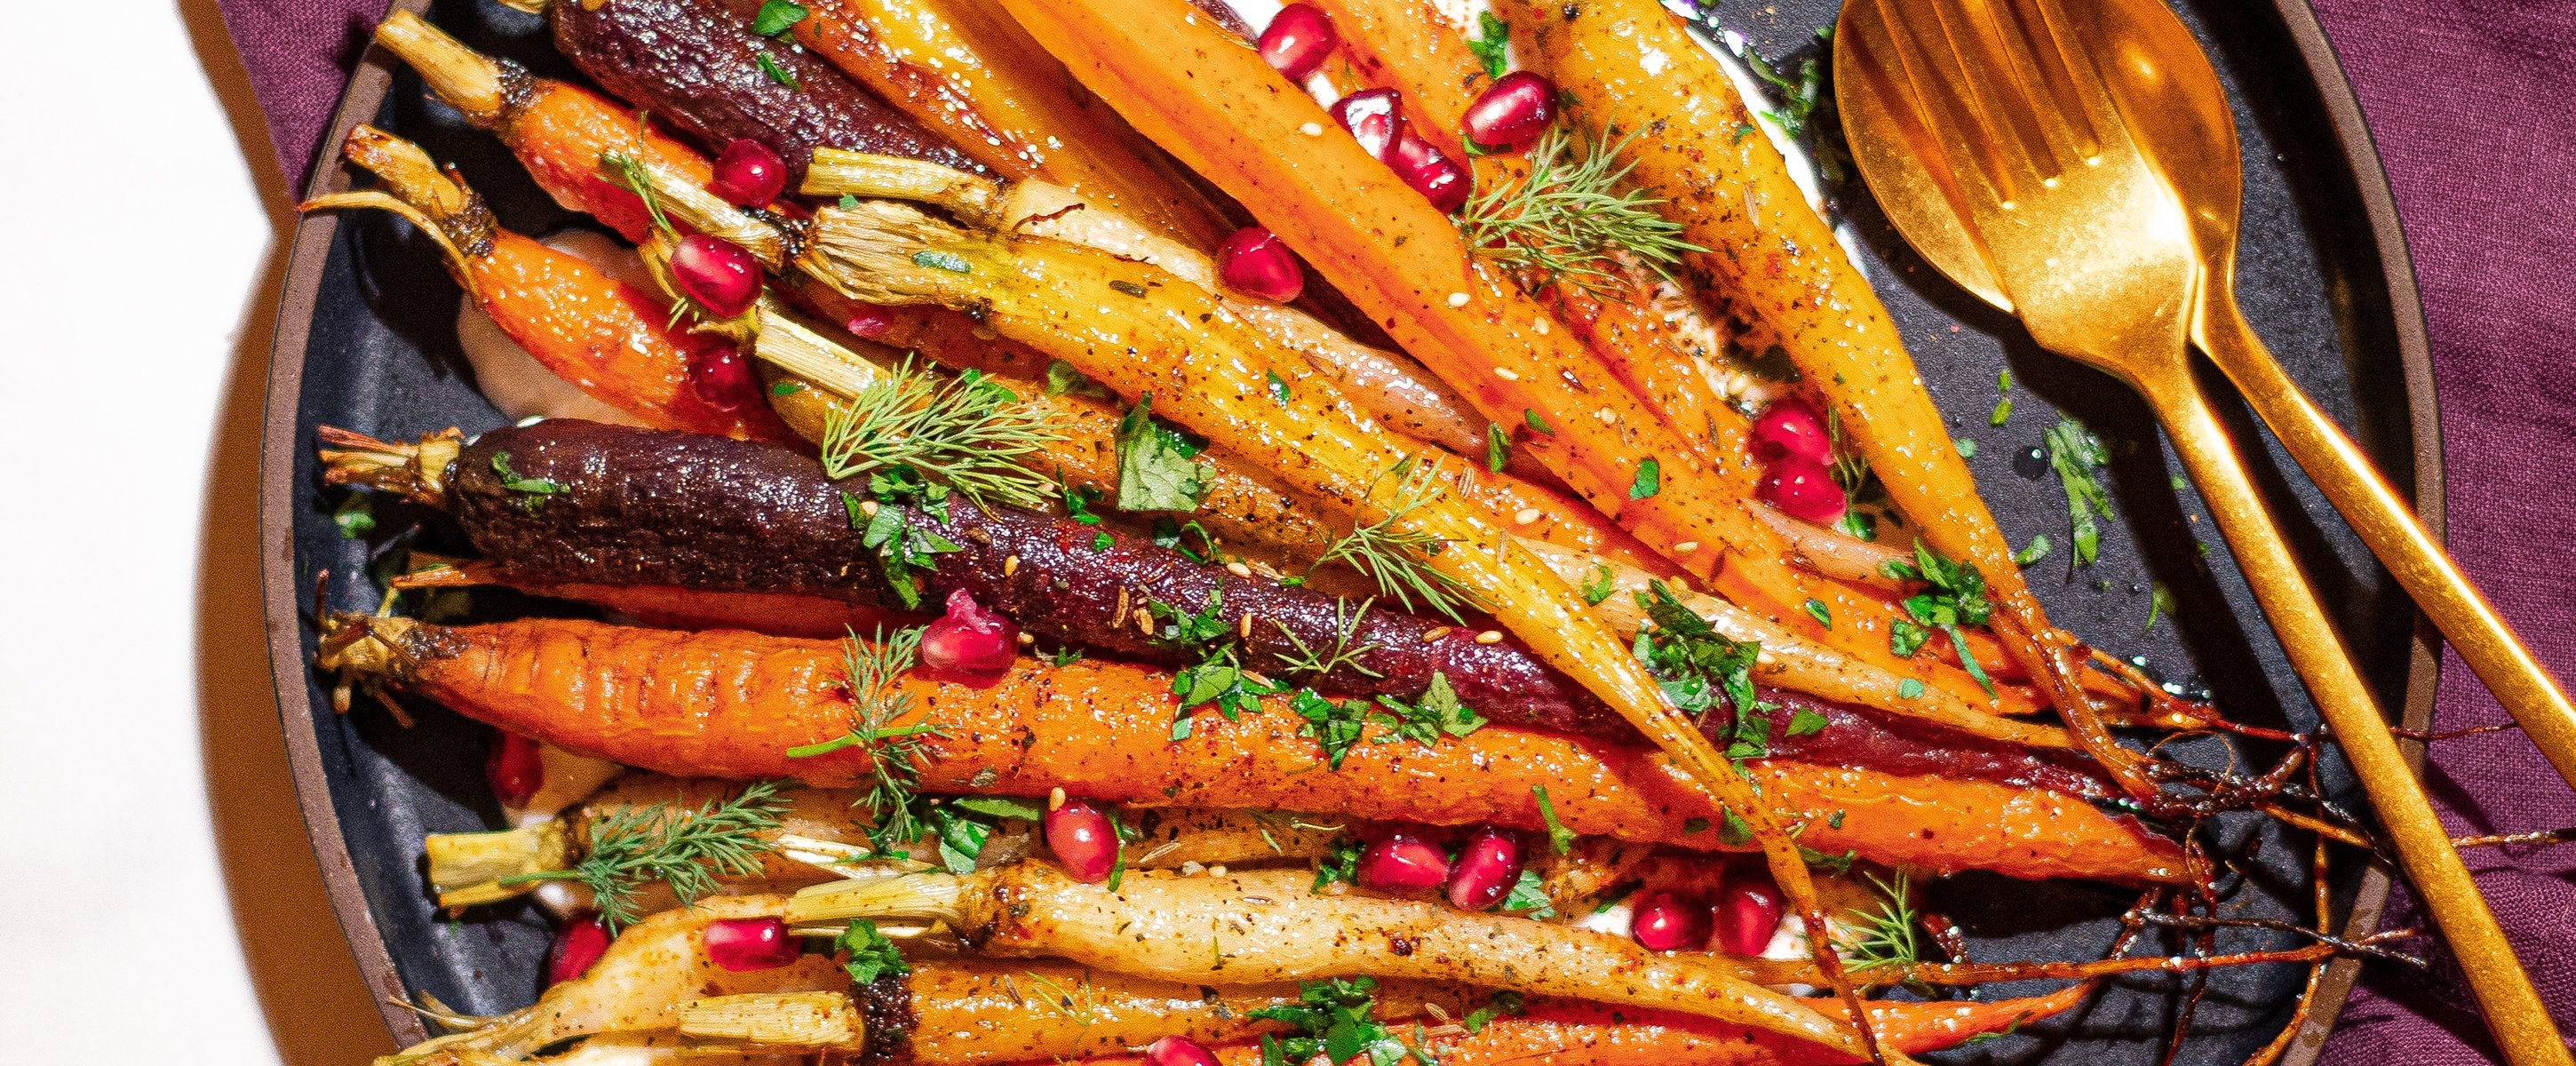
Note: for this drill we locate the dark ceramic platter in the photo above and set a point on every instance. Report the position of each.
(366, 340)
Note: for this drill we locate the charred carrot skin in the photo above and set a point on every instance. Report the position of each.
(730, 704)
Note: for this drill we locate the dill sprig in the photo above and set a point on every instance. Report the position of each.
(1569, 215)
(687, 850)
(969, 432)
(1398, 559)
(1340, 653)
(896, 752)
(1891, 935)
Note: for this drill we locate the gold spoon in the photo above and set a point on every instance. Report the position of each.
(2170, 98)
(1990, 140)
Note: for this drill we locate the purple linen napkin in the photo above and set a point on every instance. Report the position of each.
(2473, 105)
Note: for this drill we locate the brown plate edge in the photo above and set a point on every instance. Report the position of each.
(278, 441)
(2415, 356)
(279, 438)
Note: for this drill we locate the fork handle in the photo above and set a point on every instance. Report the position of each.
(2388, 526)
(2520, 1022)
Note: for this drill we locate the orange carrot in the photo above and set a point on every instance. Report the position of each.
(589, 328)
(1573, 1033)
(962, 69)
(729, 704)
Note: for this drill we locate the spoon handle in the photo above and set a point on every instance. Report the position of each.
(2388, 526)
(2513, 1010)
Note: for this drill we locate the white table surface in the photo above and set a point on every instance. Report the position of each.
(157, 898)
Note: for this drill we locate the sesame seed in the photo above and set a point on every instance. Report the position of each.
(1121, 612)
(1490, 636)
(1145, 621)
(1191, 868)
(1457, 299)
(1245, 630)
(1055, 799)
(1542, 327)
(1686, 547)
(1506, 373)
(1312, 129)
(1217, 870)
(1238, 569)
(1607, 416)
(1010, 566)
(868, 508)
(1435, 634)
(1027, 638)
(1526, 516)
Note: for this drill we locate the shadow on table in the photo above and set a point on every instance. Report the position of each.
(316, 1007)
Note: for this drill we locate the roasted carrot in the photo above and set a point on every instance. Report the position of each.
(943, 1012)
(965, 70)
(785, 614)
(587, 327)
(1630, 63)
(1573, 1033)
(1270, 925)
(729, 704)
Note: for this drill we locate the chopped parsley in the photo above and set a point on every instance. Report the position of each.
(1334, 725)
(1956, 597)
(1536, 423)
(1823, 615)
(1332, 1018)
(1063, 378)
(355, 516)
(780, 75)
(2159, 602)
(939, 260)
(1600, 586)
(1908, 689)
(1278, 388)
(871, 955)
(1341, 862)
(2074, 452)
(534, 489)
(1156, 467)
(1805, 722)
(1505, 1003)
(1701, 669)
(2034, 551)
(903, 548)
(1439, 713)
(1558, 836)
(1187, 630)
(777, 17)
(1966, 447)
(1219, 679)
(1492, 44)
(1650, 480)
(1498, 447)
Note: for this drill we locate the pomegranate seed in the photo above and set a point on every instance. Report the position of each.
(1403, 862)
(870, 322)
(1083, 840)
(1790, 428)
(748, 174)
(1298, 40)
(740, 944)
(1430, 172)
(1668, 922)
(969, 645)
(1375, 118)
(719, 275)
(1181, 1050)
(1802, 488)
(1488, 866)
(722, 378)
(1512, 113)
(514, 769)
(1748, 912)
(1254, 263)
(579, 941)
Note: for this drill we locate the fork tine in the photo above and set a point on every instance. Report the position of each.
(1942, 99)
(2046, 36)
(1988, 72)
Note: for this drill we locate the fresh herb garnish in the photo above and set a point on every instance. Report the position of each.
(1569, 215)
(1558, 836)
(1527, 898)
(355, 516)
(1890, 935)
(1536, 423)
(1851, 472)
(1505, 1003)
(1398, 558)
(1184, 629)
(1334, 725)
(1332, 1019)
(780, 75)
(777, 17)
(1965, 446)
(1064, 378)
(1650, 480)
(1823, 615)
(902, 546)
(1168, 532)
(1343, 653)
(1492, 44)
(895, 752)
(1805, 722)
(1221, 680)
(1340, 862)
(1908, 689)
(1699, 667)
(534, 489)
(871, 955)
(1957, 597)
(2074, 452)
(1438, 713)
(1278, 387)
(687, 850)
(2159, 602)
(1157, 470)
(2032, 552)
(969, 432)
(1599, 586)
(1498, 447)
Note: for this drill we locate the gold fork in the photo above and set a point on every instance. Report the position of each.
(1988, 138)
